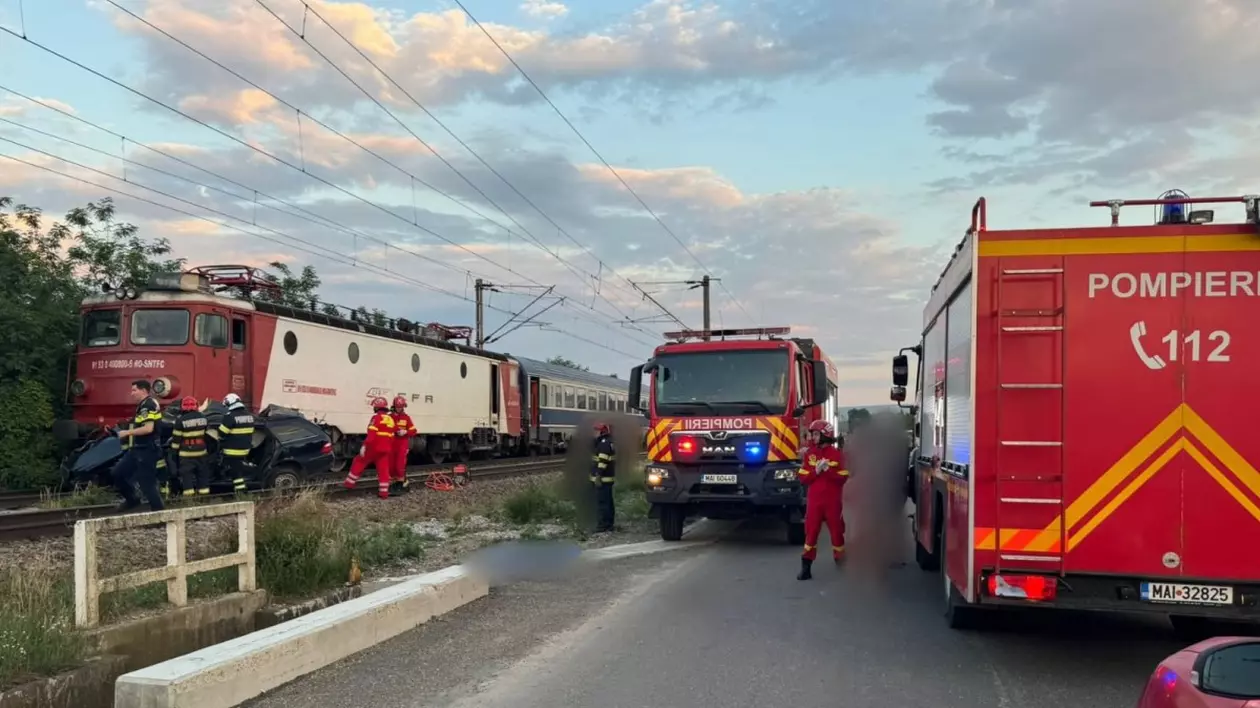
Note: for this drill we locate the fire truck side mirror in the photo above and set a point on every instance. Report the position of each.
(819, 376)
(634, 395)
(901, 373)
(898, 394)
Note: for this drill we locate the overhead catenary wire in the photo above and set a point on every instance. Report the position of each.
(388, 77)
(331, 224)
(280, 160)
(530, 80)
(328, 254)
(303, 114)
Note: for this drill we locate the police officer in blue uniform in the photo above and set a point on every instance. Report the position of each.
(140, 442)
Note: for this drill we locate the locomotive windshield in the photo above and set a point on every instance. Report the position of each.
(722, 382)
(159, 327)
(102, 328)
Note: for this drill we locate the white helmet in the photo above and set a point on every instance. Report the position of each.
(232, 401)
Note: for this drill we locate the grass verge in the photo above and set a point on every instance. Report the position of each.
(84, 496)
(302, 548)
(37, 636)
(560, 504)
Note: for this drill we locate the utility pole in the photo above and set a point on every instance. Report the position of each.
(480, 286)
(703, 284)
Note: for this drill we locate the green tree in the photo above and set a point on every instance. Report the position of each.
(562, 361)
(44, 275)
(104, 251)
(299, 290)
(858, 417)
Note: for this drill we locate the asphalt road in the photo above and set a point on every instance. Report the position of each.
(729, 625)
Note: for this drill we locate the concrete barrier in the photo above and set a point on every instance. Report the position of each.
(231, 673)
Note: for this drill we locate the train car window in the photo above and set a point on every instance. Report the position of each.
(581, 399)
(352, 352)
(590, 401)
(544, 395)
(159, 327)
(415, 362)
(102, 328)
(603, 401)
(238, 334)
(621, 406)
(290, 343)
(569, 400)
(211, 331)
(463, 370)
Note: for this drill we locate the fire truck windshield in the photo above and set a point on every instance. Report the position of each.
(722, 382)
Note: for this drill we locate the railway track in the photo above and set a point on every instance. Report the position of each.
(46, 523)
(19, 500)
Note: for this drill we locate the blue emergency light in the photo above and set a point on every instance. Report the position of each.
(1173, 213)
(754, 451)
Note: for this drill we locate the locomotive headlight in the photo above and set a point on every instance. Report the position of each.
(78, 387)
(132, 293)
(121, 293)
(165, 387)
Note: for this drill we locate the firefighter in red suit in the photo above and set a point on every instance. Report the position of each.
(404, 431)
(823, 473)
(378, 449)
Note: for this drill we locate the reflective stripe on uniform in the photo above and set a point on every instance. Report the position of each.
(605, 480)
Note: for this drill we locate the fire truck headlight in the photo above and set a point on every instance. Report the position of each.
(78, 388)
(656, 475)
(786, 475)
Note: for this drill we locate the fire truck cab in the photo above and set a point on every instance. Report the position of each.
(727, 411)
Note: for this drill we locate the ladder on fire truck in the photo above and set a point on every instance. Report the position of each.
(1031, 484)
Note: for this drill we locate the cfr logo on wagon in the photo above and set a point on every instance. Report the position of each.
(378, 392)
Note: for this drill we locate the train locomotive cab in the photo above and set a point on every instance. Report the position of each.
(176, 333)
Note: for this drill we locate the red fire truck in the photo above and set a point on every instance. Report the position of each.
(727, 411)
(1081, 407)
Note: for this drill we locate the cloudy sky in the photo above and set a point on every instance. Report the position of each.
(820, 157)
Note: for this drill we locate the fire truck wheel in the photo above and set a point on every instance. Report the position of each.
(795, 533)
(672, 520)
(927, 560)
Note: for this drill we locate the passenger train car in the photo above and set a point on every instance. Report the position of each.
(204, 333)
(567, 396)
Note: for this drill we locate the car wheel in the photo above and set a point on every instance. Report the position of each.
(284, 478)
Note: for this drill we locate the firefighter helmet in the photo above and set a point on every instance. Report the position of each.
(379, 404)
(824, 428)
(188, 404)
(601, 428)
(232, 400)
(400, 402)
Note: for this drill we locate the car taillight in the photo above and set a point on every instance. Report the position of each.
(1037, 588)
(327, 449)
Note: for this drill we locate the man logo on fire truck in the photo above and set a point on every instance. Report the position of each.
(727, 411)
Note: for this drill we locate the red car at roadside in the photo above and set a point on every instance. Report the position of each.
(1222, 672)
